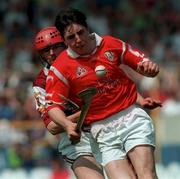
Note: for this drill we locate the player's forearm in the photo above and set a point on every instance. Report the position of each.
(132, 74)
(54, 128)
(139, 99)
(74, 117)
(58, 116)
(148, 102)
(138, 62)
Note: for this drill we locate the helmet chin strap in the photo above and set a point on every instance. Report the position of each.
(45, 63)
(48, 65)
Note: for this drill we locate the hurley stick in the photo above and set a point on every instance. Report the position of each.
(86, 96)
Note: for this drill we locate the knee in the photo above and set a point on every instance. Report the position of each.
(121, 176)
(147, 173)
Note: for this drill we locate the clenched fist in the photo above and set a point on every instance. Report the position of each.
(148, 68)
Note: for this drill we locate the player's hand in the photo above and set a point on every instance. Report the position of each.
(150, 103)
(71, 129)
(148, 68)
(74, 117)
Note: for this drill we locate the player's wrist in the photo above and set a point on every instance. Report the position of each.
(67, 124)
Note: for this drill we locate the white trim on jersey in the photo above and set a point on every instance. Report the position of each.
(124, 49)
(37, 89)
(59, 75)
(45, 71)
(39, 94)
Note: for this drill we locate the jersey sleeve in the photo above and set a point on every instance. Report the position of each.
(127, 54)
(46, 118)
(132, 56)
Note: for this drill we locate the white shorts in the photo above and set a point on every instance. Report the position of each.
(71, 152)
(118, 134)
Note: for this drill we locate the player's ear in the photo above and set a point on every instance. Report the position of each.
(88, 29)
(65, 43)
(91, 36)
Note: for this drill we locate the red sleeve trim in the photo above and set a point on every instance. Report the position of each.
(46, 119)
(52, 106)
(132, 57)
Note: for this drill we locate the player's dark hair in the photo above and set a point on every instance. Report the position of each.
(68, 16)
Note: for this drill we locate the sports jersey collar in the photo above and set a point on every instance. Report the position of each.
(73, 54)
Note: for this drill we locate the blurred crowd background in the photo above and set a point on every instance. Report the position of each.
(152, 26)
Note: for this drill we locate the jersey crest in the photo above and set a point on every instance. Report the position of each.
(80, 71)
(109, 55)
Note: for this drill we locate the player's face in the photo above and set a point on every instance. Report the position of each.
(77, 37)
(50, 53)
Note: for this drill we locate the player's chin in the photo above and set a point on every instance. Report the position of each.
(81, 51)
(80, 47)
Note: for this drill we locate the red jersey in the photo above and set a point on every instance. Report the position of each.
(72, 73)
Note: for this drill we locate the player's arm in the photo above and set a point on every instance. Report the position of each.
(56, 87)
(148, 103)
(54, 128)
(137, 61)
(59, 117)
(72, 112)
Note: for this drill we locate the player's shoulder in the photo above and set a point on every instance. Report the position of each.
(112, 42)
(109, 38)
(40, 79)
(61, 59)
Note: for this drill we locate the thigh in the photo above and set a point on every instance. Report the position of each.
(86, 167)
(142, 157)
(120, 169)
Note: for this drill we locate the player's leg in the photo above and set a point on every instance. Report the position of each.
(86, 167)
(80, 156)
(142, 158)
(110, 136)
(140, 144)
(120, 169)
(118, 135)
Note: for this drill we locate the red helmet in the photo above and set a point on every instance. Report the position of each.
(46, 37)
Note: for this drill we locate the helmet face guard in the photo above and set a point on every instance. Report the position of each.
(47, 37)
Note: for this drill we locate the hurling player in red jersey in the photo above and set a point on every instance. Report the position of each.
(49, 44)
(118, 127)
